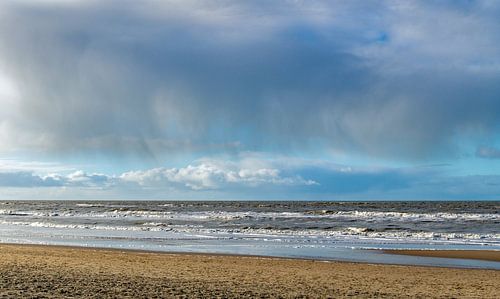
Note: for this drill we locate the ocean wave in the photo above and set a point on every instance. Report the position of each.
(89, 205)
(374, 216)
(352, 233)
(389, 215)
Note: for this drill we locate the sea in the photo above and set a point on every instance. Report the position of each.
(341, 231)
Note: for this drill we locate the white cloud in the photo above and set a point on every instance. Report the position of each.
(250, 176)
(16, 165)
(205, 174)
(23, 174)
(27, 179)
(81, 178)
(213, 175)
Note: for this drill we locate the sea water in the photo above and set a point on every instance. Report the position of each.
(348, 231)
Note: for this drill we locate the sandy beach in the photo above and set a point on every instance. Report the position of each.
(485, 255)
(52, 271)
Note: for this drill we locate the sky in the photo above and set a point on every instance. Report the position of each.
(289, 100)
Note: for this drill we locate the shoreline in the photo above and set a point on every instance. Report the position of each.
(60, 271)
(483, 255)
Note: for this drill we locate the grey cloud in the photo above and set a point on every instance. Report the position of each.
(27, 179)
(488, 152)
(397, 80)
(470, 187)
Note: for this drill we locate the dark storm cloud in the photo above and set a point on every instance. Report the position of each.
(384, 79)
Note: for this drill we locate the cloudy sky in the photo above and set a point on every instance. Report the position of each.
(150, 99)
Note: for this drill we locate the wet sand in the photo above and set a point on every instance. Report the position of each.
(57, 272)
(485, 255)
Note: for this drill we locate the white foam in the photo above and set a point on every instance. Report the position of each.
(351, 233)
(374, 216)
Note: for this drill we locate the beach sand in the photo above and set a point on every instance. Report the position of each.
(485, 255)
(51, 271)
